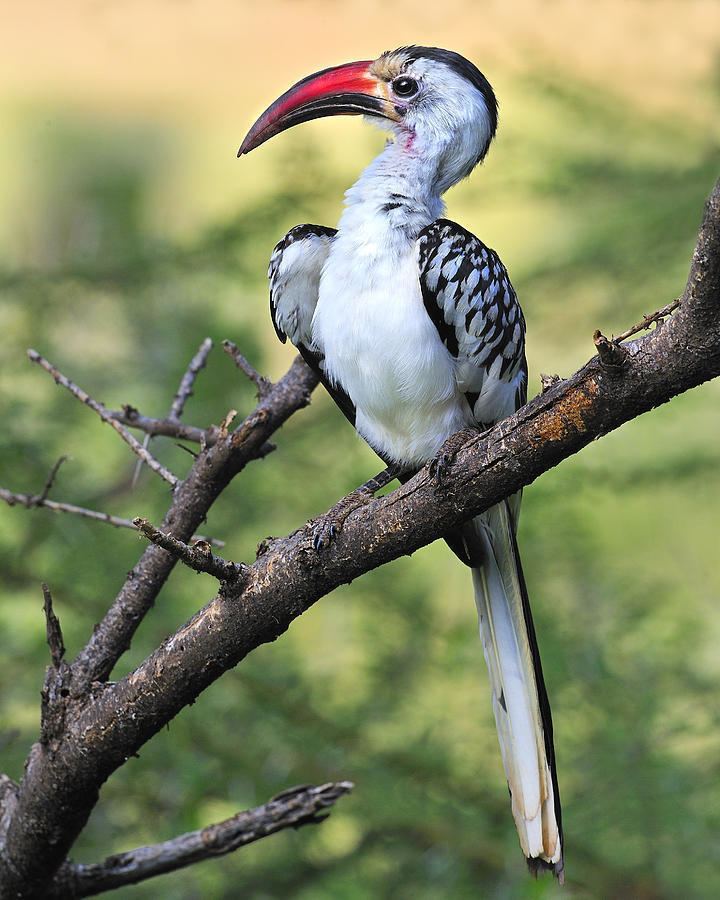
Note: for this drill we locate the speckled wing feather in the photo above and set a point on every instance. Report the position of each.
(468, 295)
(294, 274)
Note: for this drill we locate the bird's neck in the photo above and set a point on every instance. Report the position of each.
(394, 199)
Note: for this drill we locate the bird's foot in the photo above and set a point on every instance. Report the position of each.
(440, 465)
(326, 529)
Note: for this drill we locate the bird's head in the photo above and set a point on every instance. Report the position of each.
(438, 104)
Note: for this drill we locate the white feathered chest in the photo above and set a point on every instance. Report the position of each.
(381, 347)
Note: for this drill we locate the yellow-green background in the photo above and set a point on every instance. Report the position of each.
(129, 231)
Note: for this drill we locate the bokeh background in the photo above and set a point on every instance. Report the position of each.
(129, 232)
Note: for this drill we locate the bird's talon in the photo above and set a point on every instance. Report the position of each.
(440, 466)
(329, 527)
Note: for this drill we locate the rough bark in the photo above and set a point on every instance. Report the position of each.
(102, 730)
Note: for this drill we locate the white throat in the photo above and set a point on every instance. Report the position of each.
(393, 200)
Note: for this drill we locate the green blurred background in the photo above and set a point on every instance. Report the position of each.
(130, 232)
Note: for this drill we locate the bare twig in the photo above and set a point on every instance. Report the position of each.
(106, 415)
(52, 628)
(292, 809)
(199, 556)
(263, 385)
(36, 501)
(131, 417)
(49, 481)
(206, 437)
(184, 391)
(647, 321)
(185, 388)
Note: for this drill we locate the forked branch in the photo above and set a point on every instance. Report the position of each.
(106, 415)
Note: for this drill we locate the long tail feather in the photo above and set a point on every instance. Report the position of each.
(520, 703)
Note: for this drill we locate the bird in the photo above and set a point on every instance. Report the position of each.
(413, 326)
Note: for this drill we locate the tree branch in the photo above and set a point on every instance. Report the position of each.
(106, 415)
(184, 391)
(60, 788)
(210, 473)
(53, 630)
(49, 481)
(647, 321)
(131, 417)
(36, 501)
(198, 557)
(291, 809)
(261, 383)
(187, 382)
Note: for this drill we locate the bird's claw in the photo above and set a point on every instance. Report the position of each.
(324, 533)
(440, 466)
(326, 530)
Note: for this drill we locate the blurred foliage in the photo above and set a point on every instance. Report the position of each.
(383, 682)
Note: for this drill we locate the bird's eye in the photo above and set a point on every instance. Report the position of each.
(404, 86)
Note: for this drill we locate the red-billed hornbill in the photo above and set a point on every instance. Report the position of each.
(413, 325)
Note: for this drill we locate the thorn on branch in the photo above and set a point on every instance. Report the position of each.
(255, 420)
(106, 416)
(52, 629)
(612, 356)
(198, 556)
(548, 381)
(264, 545)
(263, 385)
(56, 687)
(227, 422)
(648, 320)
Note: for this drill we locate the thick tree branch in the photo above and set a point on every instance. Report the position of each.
(60, 789)
(291, 809)
(106, 415)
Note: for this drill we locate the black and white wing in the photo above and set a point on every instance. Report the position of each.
(294, 272)
(468, 295)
